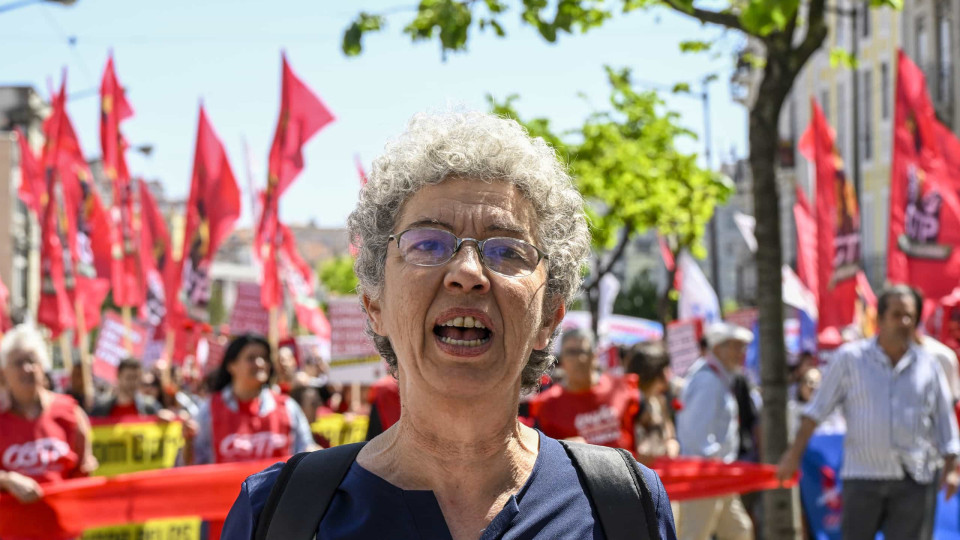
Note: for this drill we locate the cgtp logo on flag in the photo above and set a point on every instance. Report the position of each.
(252, 445)
(922, 219)
(34, 456)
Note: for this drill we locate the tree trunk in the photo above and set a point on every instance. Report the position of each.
(781, 507)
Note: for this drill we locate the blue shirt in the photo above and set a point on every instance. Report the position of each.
(708, 425)
(551, 505)
(898, 417)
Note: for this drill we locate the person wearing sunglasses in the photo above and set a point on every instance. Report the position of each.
(471, 240)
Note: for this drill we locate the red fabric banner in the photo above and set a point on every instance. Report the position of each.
(155, 256)
(5, 323)
(31, 190)
(924, 205)
(212, 209)
(208, 491)
(806, 244)
(128, 278)
(302, 115)
(838, 228)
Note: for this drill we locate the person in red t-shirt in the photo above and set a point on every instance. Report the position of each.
(384, 398)
(588, 406)
(127, 399)
(44, 437)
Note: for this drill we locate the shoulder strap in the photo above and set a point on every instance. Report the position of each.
(616, 487)
(297, 502)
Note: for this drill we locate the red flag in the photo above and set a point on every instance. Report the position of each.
(5, 323)
(127, 275)
(155, 255)
(212, 208)
(55, 310)
(302, 115)
(806, 244)
(31, 190)
(301, 283)
(924, 206)
(838, 229)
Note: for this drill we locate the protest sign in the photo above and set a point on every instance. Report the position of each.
(340, 429)
(111, 345)
(248, 314)
(157, 529)
(139, 444)
(353, 358)
(683, 343)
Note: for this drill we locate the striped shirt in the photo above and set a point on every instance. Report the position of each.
(899, 418)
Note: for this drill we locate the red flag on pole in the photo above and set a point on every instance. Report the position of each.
(155, 254)
(302, 115)
(806, 244)
(924, 206)
(212, 209)
(129, 283)
(31, 190)
(301, 283)
(838, 229)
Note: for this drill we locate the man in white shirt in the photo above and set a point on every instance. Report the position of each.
(708, 426)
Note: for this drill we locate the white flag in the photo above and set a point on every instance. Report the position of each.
(698, 300)
(796, 294)
(609, 288)
(746, 225)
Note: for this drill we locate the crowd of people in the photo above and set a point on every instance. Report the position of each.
(467, 329)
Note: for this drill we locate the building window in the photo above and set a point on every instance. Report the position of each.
(866, 114)
(864, 13)
(885, 90)
(944, 56)
(921, 41)
(841, 120)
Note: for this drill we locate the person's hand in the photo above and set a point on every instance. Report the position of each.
(950, 484)
(165, 416)
(673, 448)
(89, 464)
(787, 467)
(24, 488)
(190, 429)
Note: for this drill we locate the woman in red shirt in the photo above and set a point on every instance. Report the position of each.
(44, 437)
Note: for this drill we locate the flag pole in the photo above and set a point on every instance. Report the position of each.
(274, 336)
(85, 364)
(127, 328)
(66, 353)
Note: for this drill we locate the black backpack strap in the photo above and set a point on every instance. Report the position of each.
(615, 486)
(297, 502)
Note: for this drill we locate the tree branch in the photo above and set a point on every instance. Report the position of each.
(816, 33)
(614, 256)
(728, 20)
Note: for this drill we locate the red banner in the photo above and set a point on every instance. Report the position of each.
(837, 218)
(302, 115)
(208, 491)
(155, 256)
(212, 209)
(924, 205)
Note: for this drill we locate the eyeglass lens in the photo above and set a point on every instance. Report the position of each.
(433, 247)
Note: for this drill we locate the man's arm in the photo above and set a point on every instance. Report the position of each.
(790, 461)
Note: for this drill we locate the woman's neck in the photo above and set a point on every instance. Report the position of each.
(243, 393)
(28, 404)
(581, 382)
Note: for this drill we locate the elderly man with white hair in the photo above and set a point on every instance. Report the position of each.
(44, 437)
(708, 426)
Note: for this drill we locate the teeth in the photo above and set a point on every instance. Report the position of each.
(465, 322)
(464, 343)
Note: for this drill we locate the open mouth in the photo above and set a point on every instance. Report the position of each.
(463, 332)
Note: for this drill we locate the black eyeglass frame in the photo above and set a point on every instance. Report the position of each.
(479, 243)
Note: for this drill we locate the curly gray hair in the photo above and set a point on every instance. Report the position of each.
(481, 147)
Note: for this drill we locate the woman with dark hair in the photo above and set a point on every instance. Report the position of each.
(244, 420)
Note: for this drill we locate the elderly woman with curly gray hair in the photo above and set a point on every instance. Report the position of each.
(472, 238)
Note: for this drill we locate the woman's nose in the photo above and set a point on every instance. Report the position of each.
(465, 271)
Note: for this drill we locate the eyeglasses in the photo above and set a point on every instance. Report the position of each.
(508, 257)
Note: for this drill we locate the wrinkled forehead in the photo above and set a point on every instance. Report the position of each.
(494, 208)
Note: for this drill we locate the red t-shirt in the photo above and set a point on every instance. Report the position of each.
(244, 435)
(42, 448)
(119, 411)
(602, 415)
(385, 394)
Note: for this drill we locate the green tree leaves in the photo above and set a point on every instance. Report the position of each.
(337, 275)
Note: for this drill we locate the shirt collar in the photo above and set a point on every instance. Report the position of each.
(713, 364)
(881, 356)
(267, 403)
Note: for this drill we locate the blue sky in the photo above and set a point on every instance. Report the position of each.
(170, 55)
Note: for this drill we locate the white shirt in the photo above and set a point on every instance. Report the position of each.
(948, 362)
(708, 425)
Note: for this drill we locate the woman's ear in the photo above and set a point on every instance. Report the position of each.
(550, 322)
(374, 312)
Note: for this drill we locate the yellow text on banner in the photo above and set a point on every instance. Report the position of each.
(156, 529)
(341, 429)
(136, 446)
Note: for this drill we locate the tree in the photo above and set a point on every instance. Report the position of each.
(626, 165)
(790, 34)
(337, 275)
(639, 299)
